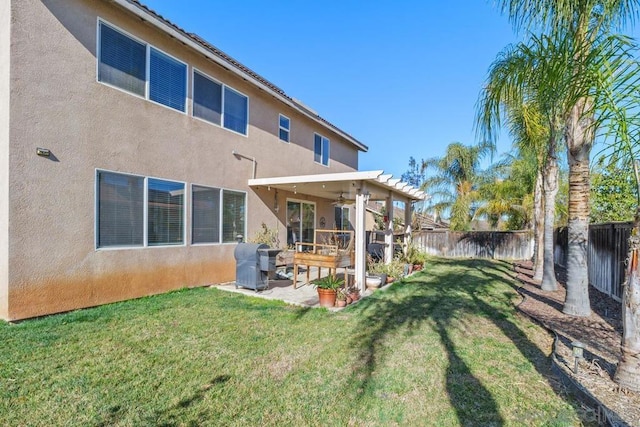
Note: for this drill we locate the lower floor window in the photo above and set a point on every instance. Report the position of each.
(217, 215)
(165, 212)
(121, 203)
(135, 211)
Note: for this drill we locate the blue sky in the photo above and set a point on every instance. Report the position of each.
(402, 77)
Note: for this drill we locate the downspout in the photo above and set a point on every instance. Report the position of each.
(253, 159)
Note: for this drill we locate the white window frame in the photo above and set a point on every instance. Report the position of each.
(322, 138)
(221, 214)
(288, 130)
(145, 224)
(146, 213)
(99, 53)
(186, 79)
(246, 215)
(193, 91)
(147, 66)
(223, 86)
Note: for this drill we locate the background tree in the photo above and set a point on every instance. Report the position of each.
(454, 180)
(613, 191)
(506, 193)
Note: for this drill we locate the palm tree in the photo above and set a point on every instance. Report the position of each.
(524, 124)
(627, 150)
(454, 184)
(585, 21)
(612, 103)
(526, 83)
(506, 190)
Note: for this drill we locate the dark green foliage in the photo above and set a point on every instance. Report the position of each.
(613, 193)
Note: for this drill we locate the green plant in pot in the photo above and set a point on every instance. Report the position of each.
(394, 270)
(266, 235)
(376, 275)
(341, 298)
(327, 290)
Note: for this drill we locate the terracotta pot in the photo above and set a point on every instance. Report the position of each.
(341, 303)
(327, 297)
(349, 300)
(390, 279)
(354, 296)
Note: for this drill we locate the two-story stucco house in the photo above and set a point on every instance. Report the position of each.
(133, 153)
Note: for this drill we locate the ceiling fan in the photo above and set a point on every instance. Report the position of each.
(341, 201)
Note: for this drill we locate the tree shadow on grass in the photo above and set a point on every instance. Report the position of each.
(173, 415)
(450, 292)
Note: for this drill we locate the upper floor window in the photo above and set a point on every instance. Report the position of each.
(129, 64)
(167, 80)
(321, 150)
(236, 110)
(284, 124)
(219, 104)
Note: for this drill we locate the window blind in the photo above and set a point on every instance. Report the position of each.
(165, 212)
(167, 80)
(122, 61)
(205, 204)
(120, 210)
(207, 99)
(233, 215)
(235, 111)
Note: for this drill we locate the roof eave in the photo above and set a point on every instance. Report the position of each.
(147, 15)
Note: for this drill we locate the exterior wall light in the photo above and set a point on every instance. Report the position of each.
(44, 152)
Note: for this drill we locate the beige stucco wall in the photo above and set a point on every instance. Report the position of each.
(5, 46)
(56, 103)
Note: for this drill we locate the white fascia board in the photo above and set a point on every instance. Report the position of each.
(327, 177)
(163, 26)
(382, 179)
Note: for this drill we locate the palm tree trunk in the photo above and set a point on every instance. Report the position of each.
(628, 371)
(550, 191)
(579, 137)
(538, 229)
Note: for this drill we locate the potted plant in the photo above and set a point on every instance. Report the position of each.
(376, 275)
(341, 298)
(415, 257)
(394, 270)
(354, 293)
(328, 289)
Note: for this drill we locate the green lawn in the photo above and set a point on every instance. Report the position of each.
(443, 348)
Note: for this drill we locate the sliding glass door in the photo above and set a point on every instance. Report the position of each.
(301, 219)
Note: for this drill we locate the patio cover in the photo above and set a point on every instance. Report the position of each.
(358, 186)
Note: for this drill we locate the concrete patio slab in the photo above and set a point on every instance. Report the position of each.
(282, 290)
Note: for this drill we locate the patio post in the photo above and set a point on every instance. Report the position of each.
(360, 235)
(388, 232)
(407, 222)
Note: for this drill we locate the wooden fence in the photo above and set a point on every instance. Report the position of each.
(505, 245)
(607, 250)
(606, 255)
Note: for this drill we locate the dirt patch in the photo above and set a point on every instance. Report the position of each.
(601, 334)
